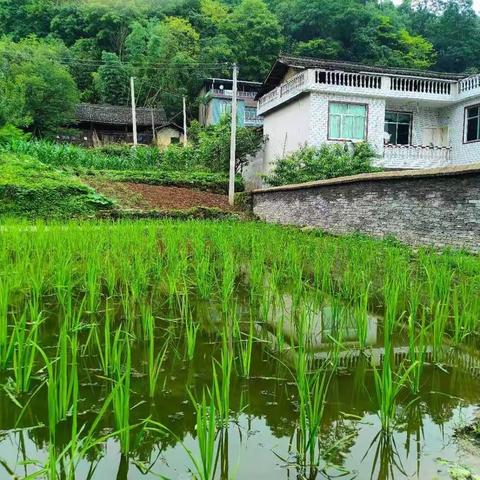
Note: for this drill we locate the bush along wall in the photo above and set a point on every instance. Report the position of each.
(320, 163)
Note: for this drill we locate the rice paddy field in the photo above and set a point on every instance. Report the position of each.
(229, 350)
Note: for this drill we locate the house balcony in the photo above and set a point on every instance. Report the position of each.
(435, 91)
(253, 121)
(415, 156)
(224, 93)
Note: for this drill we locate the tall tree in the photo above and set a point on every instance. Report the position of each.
(454, 30)
(256, 37)
(173, 53)
(112, 81)
(42, 92)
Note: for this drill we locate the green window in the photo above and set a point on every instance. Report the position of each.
(398, 127)
(473, 124)
(347, 121)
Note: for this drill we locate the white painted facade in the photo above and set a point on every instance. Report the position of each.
(296, 113)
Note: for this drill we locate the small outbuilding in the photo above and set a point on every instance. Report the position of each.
(168, 134)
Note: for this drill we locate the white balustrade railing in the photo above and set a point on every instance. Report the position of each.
(371, 84)
(293, 84)
(344, 79)
(470, 83)
(415, 156)
(268, 97)
(420, 85)
(229, 93)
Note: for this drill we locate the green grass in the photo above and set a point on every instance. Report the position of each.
(31, 189)
(208, 181)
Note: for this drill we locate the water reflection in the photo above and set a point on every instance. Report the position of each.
(258, 442)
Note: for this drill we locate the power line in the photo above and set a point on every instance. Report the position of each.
(141, 66)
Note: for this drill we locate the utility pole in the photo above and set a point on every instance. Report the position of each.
(134, 111)
(184, 120)
(233, 139)
(153, 126)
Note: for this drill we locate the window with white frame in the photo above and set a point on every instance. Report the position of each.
(472, 124)
(347, 121)
(398, 127)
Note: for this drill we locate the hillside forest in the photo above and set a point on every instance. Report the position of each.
(56, 53)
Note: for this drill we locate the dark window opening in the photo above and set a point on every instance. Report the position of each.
(398, 126)
(473, 124)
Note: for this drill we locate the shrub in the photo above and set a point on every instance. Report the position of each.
(319, 163)
(213, 145)
(209, 148)
(10, 133)
(179, 157)
(30, 189)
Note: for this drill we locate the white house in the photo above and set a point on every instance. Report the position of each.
(414, 119)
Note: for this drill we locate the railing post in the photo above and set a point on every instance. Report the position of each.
(386, 83)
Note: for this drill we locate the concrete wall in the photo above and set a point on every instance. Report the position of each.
(461, 152)
(318, 127)
(286, 130)
(252, 173)
(305, 121)
(439, 207)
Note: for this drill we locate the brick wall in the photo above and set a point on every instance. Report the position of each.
(439, 207)
(461, 152)
(318, 132)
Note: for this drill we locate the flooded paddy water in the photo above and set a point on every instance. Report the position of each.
(224, 350)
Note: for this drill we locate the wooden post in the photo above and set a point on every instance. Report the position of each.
(153, 125)
(233, 139)
(134, 112)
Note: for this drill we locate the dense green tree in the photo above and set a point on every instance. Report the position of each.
(165, 57)
(256, 37)
(454, 30)
(40, 93)
(319, 47)
(112, 81)
(84, 57)
(21, 18)
(171, 45)
(354, 30)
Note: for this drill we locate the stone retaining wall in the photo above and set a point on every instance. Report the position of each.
(439, 207)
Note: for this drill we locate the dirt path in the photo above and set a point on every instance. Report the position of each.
(141, 196)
